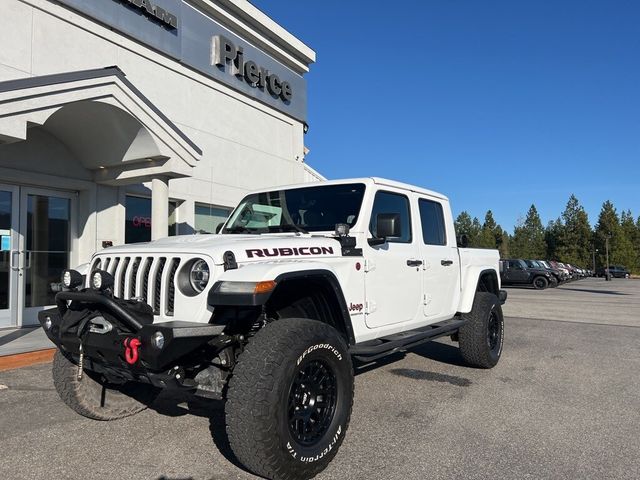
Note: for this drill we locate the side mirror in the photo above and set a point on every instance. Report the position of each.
(463, 241)
(387, 225)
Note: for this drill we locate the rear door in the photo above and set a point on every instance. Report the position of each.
(441, 262)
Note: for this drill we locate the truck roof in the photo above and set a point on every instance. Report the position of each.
(367, 181)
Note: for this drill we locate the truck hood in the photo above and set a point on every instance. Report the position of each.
(244, 247)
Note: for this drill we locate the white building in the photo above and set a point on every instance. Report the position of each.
(129, 120)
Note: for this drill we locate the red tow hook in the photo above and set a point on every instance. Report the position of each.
(131, 346)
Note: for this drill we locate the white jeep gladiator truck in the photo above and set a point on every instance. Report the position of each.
(270, 313)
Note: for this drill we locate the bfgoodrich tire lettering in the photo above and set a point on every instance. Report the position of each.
(92, 397)
(482, 337)
(289, 400)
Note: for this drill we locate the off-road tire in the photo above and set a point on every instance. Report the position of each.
(540, 283)
(94, 398)
(262, 391)
(477, 347)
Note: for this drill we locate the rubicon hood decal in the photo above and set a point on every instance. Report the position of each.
(288, 251)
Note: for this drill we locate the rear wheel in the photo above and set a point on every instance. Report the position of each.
(482, 337)
(540, 283)
(93, 397)
(289, 399)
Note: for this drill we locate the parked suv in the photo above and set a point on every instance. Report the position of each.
(516, 272)
(556, 275)
(616, 271)
(268, 314)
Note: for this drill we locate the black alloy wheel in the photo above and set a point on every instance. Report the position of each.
(312, 402)
(494, 331)
(540, 283)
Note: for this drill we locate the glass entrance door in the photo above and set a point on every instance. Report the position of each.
(9, 255)
(45, 245)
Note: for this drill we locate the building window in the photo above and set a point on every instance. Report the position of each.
(138, 219)
(208, 217)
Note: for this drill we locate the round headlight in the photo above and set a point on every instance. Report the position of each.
(72, 279)
(48, 323)
(101, 280)
(199, 275)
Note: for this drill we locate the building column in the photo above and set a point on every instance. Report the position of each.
(159, 208)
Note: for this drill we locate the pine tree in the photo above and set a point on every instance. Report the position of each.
(552, 237)
(474, 237)
(529, 237)
(628, 252)
(575, 244)
(491, 235)
(463, 224)
(608, 226)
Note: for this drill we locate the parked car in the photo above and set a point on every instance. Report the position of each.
(562, 273)
(557, 273)
(565, 271)
(514, 271)
(616, 271)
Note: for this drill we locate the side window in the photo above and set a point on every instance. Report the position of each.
(387, 202)
(432, 219)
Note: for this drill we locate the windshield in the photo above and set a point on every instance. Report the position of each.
(306, 209)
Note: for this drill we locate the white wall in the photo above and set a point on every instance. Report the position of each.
(246, 144)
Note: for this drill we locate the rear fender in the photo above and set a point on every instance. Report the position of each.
(478, 278)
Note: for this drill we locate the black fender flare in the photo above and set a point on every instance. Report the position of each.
(255, 300)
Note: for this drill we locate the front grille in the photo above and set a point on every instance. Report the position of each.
(152, 279)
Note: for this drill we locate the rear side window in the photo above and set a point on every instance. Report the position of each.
(432, 218)
(387, 202)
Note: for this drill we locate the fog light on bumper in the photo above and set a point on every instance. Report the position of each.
(157, 340)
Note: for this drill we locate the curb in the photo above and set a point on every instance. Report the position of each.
(19, 360)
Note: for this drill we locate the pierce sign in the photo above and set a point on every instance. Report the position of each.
(226, 53)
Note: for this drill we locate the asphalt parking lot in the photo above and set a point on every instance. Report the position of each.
(564, 403)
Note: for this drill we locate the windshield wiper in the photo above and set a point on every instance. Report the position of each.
(237, 229)
(292, 227)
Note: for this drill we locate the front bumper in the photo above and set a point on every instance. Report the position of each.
(502, 296)
(105, 349)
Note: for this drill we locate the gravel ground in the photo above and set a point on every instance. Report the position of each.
(564, 403)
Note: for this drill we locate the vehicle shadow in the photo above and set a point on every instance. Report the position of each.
(603, 292)
(177, 404)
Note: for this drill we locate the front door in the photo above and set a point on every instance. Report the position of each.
(46, 230)
(9, 255)
(393, 274)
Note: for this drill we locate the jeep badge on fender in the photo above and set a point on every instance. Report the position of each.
(258, 314)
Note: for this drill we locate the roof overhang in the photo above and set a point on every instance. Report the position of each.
(105, 122)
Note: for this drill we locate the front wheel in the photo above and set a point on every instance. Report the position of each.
(482, 337)
(540, 283)
(289, 399)
(93, 397)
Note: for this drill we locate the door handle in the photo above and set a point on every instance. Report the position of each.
(446, 263)
(414, 263)
(12, 261)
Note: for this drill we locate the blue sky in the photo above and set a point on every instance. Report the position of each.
(497, 104)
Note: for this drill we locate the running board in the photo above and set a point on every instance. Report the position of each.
(374, 349)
